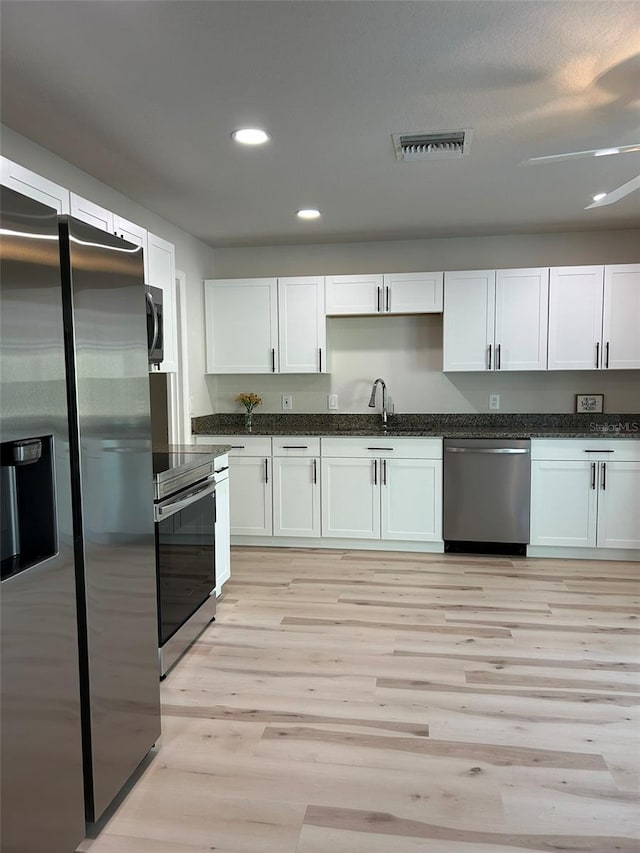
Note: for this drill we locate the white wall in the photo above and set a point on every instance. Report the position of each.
(407, 351)
(193, 257)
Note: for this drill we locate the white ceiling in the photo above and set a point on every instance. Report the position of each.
(144, 95)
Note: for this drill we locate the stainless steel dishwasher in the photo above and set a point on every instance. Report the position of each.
(487, 487)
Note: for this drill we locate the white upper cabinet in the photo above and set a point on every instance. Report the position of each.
(91, 213)
(162, 273)
(265, 325)
(301, 325)
(413, 293)
(522, 304)
(621, 317)
(594, 318)
(391, 293)
(469, 320)
(354, 294)
(496, 320)
(34, 186)
(575, 318)
(134, 234)
(241, 321)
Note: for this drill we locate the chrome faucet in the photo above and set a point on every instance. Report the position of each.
(372, 401)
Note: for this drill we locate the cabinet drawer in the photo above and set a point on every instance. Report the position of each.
(590, 449)
(241, 445)
(298, 445)
(376, 446)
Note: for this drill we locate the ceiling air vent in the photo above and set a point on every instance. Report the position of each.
(443, 145)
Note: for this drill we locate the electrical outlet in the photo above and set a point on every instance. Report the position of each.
(332, 402)
(494, 401)
(287, 402)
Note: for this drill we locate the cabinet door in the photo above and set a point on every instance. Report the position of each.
(619, 505)
(134, 234)
(301, 325)
(241, 317)
(223, 548)
(351, 498)
(621, 320)
(413, 293)
(522, 298)
(296, 496)
(250, 496)
(91, 213)
(469, 300)
(34, 186)
(354, 294)
(575, 318)
(162, 274)
(411, 496)
(563, 503)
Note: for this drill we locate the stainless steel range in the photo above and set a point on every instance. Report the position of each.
(185, 514)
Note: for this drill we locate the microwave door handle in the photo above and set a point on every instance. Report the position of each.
(164, 510)
(156, 324)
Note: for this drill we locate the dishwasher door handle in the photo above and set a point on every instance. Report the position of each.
(511, 450)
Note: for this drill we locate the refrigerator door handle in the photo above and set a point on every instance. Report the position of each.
(156, 323)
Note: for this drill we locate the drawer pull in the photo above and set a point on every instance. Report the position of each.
(380, 448)
(600, 451)
(237, 446)
(295, 446)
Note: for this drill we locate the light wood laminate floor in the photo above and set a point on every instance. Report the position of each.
(369, 702)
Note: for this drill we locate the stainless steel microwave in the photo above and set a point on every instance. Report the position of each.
(155, 334)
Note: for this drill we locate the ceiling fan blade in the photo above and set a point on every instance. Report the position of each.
(592, 152)
(617, 194)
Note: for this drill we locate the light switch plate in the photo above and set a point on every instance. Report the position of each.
(494, 401)
(332, 402)
(287, 402)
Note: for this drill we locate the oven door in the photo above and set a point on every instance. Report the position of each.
(185, 555)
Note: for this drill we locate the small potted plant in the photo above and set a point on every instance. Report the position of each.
(249, 401)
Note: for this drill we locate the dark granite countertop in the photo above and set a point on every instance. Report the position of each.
(426, 425)
(211, 449)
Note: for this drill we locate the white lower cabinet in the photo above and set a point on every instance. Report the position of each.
(223, 531)
(350, 498)
(382, 488)
(411, 492)
(585, 494)
(296, 486)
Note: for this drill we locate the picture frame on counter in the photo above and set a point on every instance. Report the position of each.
(590, 403)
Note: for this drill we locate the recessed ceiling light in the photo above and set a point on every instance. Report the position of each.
(251, 136)
(598, 196)
(308, 213)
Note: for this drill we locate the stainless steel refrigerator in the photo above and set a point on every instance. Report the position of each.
(80, 694)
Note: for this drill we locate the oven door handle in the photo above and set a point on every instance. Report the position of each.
(185, 499)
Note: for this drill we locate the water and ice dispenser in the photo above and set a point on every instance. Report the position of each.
(27, 504)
